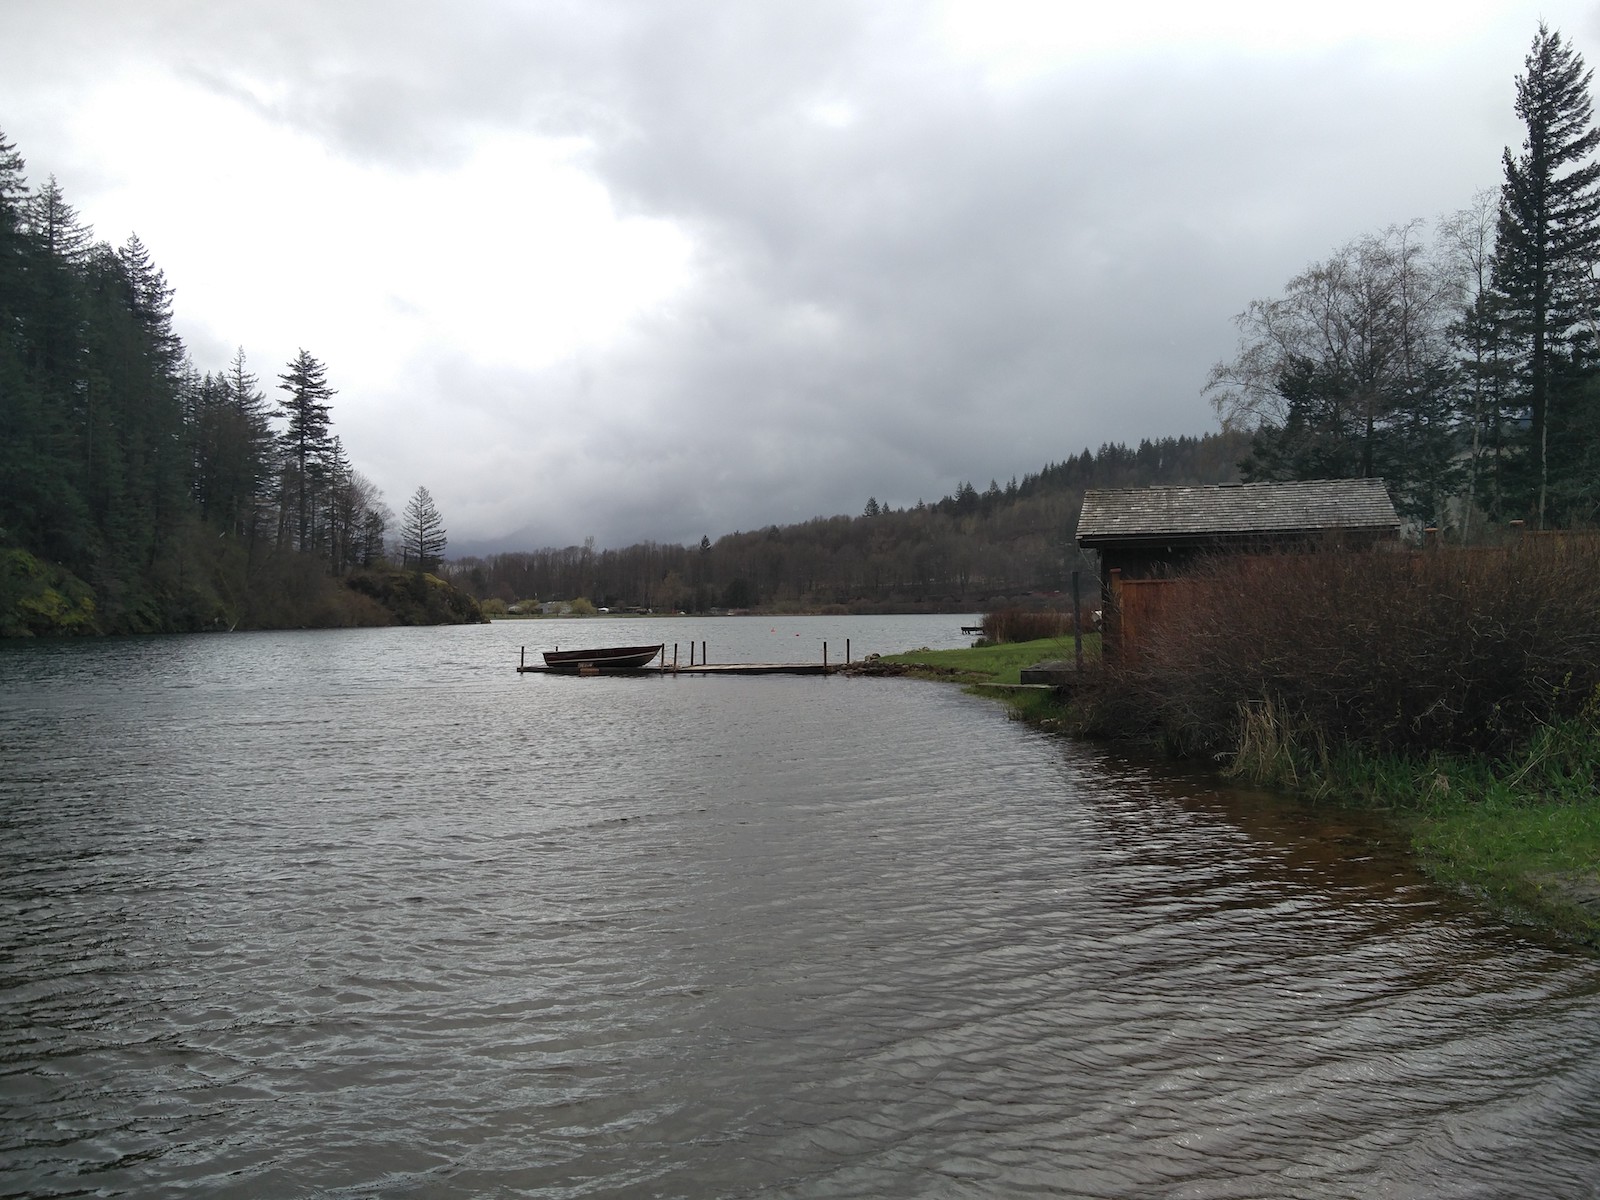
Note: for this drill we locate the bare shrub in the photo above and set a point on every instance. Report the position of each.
(1453, 649)
(1024, 625)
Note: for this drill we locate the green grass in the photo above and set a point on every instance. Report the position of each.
(1523, 833)
(1001, 664)
(1541, 858)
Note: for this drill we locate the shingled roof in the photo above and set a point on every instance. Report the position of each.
(1234, 510)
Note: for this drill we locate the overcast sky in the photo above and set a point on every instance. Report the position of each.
(652, 269)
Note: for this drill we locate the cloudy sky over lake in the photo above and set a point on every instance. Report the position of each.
(652, 269)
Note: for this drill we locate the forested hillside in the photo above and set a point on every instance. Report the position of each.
(136, 493)
(966, 550)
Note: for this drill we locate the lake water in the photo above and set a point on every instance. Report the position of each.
(368, 913)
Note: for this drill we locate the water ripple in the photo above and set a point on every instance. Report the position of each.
(342, 933)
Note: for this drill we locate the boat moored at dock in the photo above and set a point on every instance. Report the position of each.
(609, 658)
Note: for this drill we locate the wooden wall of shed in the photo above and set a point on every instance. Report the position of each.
(1136, 607)
(1148, 562)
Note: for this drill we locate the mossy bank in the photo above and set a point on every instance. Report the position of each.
(42, 599)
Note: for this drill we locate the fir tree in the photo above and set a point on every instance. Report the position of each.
(150, 302)
(422, 533)
(1548, 240)
(305, 440)
(251, 450)
(55, 224)
(13, 188)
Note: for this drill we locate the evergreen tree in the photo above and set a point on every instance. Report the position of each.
(422, 533)
(150, 302)
(250, 449)
(1319, 436)
(204, 417)
(13, 176)
(1547, 243)
(305, 441)
(232, 449)
(55, 224)
(134, 411)
(13, 192)
(374, 525)
(342, 510)
(120, 463)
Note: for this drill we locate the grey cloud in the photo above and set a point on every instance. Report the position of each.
(958, 282)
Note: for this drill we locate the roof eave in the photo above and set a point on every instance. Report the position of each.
(1154, 538)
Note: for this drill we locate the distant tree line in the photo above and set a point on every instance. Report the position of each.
(1464, 369)
(968, 549)
(137, 493)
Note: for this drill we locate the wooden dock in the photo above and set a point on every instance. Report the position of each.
(698, 669)
(702, 667)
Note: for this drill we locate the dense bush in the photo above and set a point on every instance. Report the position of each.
(1466, 650)
(1025, 625)
(404, 598)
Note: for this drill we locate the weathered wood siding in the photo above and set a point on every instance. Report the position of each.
(1138, 606)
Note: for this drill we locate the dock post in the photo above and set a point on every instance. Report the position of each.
(691, 656)
(674, 658)
(523, 660)
(824, 658)
(847, 652)
(703, 659)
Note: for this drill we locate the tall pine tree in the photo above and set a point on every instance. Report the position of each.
(250, 452)
(56, 224)
(305, 440)
(422, 533)
(1547, 243)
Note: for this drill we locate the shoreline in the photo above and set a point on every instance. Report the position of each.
(1482, 828)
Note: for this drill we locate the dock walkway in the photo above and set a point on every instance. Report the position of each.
(814, 668)
(663, 667)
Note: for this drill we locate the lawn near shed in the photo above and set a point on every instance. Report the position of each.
(990, 664)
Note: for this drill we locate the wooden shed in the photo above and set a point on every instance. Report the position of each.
(1151, 534)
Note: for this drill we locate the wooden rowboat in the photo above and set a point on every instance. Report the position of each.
(610, 658)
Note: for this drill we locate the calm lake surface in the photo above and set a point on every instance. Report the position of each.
(367, 913)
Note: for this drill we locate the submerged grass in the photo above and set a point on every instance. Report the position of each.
(1522, 832)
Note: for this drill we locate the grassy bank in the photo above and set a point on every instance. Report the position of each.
(1000, 664)
(1521, 831)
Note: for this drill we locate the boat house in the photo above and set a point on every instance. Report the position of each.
(1146, 535)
